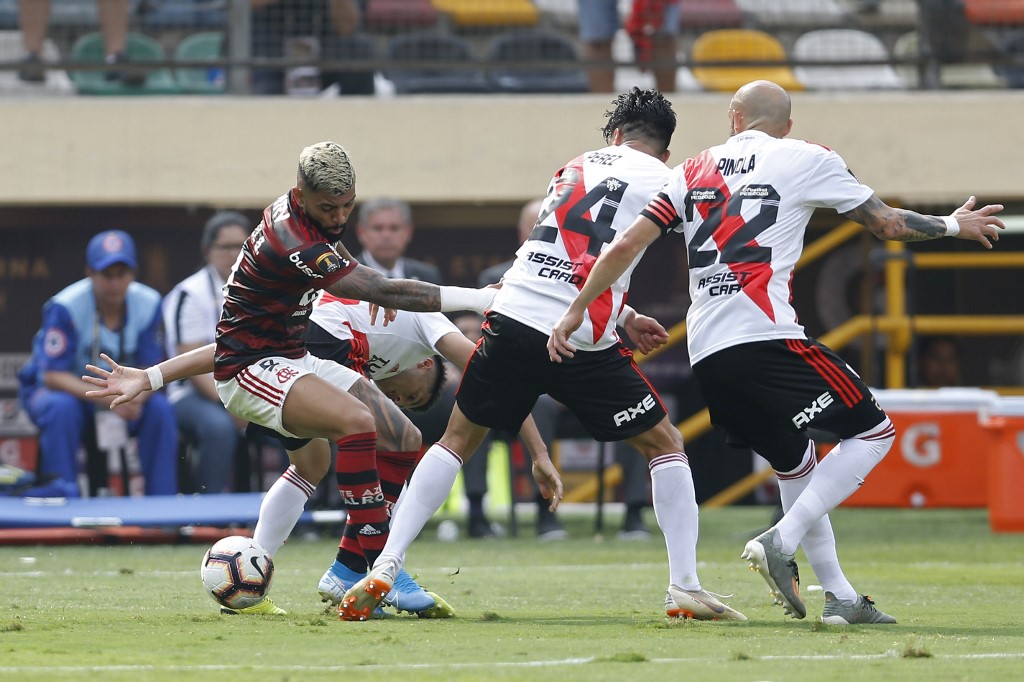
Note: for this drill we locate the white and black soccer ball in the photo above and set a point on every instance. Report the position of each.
(237, 572)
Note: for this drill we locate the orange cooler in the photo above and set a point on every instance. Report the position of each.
(1004, 426)
(939, 456)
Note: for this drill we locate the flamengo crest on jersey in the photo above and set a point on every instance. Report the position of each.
(270, 291)
(589, 201)
(743, 207)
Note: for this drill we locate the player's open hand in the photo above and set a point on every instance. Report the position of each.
(558, 342)
(646, 333)
(124, 383)
(389, 314)
(548, 481)
(979, 225)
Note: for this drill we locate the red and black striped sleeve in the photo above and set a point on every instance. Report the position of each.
(662, 213)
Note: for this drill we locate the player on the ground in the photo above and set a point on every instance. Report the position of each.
(263, 371)
(743, 207)
(588, 201)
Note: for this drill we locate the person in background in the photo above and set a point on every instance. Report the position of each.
(938, 360)
(106, 312)
(652, 25)
(33, 17)
(384, 232)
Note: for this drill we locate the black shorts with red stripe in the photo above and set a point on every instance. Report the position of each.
(766, 394)
(510, 369)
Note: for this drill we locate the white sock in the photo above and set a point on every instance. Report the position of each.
(837, 477)
(281, 508)
(819, 542)
(427, 490)
(675, 507)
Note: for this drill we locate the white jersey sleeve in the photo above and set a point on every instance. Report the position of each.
(593, 198)
(406, 341)
(743, 208)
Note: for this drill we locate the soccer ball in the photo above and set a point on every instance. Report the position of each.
(237, 572)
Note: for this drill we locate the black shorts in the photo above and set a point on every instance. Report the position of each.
(510, 369)
(766, 394)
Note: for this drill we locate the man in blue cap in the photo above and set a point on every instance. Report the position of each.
(106, 312)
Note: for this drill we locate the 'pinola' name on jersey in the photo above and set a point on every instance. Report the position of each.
(733, 166)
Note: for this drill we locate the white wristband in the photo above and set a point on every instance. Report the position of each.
(952, 226)
(624, 316)
(156, 377)
(463, 298)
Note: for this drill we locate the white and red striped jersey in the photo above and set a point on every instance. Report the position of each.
(743, 207)
(590, 200)
(376, 351)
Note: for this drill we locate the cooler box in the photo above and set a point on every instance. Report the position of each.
(1004, 426)
(939, 456)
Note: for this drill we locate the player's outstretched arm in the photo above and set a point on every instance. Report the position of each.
(127, 383)
(902, 225)
(544, 472)
(367, 284)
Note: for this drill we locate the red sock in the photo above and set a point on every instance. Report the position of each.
(359, 486)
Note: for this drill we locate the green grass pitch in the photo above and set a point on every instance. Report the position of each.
(585, 609)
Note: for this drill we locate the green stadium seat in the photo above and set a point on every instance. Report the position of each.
(209, 80)
(89, 49)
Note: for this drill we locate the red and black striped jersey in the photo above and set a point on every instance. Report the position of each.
(743, 207)
(270, 292)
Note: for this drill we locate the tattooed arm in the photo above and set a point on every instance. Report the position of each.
(395, 433)
(408, 294)
(902, 225)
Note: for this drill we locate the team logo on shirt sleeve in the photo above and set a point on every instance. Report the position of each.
(330, 262)
(55, 342)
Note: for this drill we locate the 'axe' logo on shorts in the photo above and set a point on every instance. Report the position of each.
(631, 413)
(804, 416)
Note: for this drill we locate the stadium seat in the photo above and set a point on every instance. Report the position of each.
(740, 45)
(89, 49)
(793, 13)
(424, 48)
(399, 15)
(704, 14)
(11, 50)
(207, 45)
(524, 46)
(994, 12)
(843, 45)
(976, 75)
(463, 13)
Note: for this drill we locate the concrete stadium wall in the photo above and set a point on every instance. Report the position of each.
(911, 147)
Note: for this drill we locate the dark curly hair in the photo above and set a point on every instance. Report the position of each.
(642, 114)
(440, 374)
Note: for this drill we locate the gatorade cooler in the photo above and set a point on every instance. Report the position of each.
(939, 456)
(1004, 426)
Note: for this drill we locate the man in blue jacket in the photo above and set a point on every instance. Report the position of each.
(106, 312)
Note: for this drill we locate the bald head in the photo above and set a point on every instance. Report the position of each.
(761, 105)
(528, 218)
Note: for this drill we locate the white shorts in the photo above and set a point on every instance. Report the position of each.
(258, 392)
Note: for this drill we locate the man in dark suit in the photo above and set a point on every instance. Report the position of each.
(384, 231)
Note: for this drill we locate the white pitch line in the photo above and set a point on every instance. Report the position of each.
(375, 667)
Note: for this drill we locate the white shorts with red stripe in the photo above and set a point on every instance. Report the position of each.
(257, 393)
